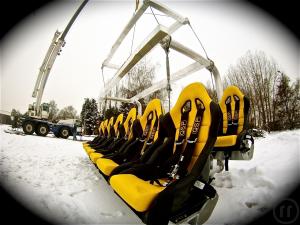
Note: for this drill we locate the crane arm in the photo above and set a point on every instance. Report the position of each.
(55, 48)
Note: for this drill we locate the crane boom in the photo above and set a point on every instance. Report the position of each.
(54, 50)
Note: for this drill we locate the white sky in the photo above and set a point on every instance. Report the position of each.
(226, 28)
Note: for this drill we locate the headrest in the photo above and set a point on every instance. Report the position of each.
(190, 94)
(118, 122)
(154, 110)
(130, 117)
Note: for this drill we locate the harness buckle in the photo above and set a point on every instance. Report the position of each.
(179, 143)
(191, 142)
(149, 143)
(142, 140)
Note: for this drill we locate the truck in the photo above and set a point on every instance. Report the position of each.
(38, 113)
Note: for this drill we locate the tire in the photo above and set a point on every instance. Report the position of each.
(28, 127)
(42, 129)
(64, 132)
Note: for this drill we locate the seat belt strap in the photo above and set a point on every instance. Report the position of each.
(147, 127)
(228, 113)
(185, 110)
(153, 131)
(187, 154)
(152, 135)
(236, 113)
(128, 130)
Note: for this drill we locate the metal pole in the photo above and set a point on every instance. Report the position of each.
(168, 77)
(166, 46)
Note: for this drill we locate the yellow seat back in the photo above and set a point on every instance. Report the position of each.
(104, 127)
(100, 129)
(232, 91)
(154, 107)
(119, 121)
(109, 125)
(130, 117)
(192, 92)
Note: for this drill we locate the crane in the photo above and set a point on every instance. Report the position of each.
(38, 112)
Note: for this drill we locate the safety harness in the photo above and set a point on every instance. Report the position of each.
(181, 166)
(128, 130)
(153, 131)
(151, 136)
(147, 128)
(183, 155)
(232, 122)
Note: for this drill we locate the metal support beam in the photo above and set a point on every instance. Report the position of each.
(126, 100)
(189, 53)
(150, 42)
(166, 10)
(180, 20)
(174, 77)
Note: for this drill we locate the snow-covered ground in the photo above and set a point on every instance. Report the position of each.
(57, 180)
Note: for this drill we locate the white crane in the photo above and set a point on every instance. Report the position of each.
(38, 112)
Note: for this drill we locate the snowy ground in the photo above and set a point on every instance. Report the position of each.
(56, 179)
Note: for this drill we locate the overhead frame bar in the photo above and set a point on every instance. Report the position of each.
(150, 42)
(180, 20)
(155, 37)
(139, 105)
(200, 63)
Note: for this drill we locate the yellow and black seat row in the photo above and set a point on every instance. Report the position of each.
(144, 133)
(162, 170)
(123, 131)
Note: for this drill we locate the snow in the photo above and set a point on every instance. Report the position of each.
(55, 178)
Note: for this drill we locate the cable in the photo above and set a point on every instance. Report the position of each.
(154, 15)
(210, 70)
(199, 41)
(157, 14)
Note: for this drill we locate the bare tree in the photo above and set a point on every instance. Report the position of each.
(255, 74)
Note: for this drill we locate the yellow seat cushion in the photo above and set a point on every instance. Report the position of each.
(106, 165)
(85, 144)
(226, 141)
(89, 150)
(136, 192)
(94, 156)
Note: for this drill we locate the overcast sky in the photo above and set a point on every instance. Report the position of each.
(228, 29)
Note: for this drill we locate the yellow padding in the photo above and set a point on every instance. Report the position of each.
(106, 165)
(131, 116)
(110, 123)
(101, 128)
(136, 192)
(94, 156)
(226, 141)
(90, 150)
(118, 122)
(105, 124)
(85, 144)
(86, 147)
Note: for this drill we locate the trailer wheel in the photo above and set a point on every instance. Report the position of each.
(28, 127)
(42, 129)
(64, 132)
